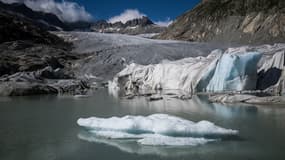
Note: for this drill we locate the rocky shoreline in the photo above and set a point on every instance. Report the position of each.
(247, 99)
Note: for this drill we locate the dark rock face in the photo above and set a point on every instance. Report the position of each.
(268, 78)
(45, 81)
(132, 27)
(32, 57)
(139, 22)
(34, 61)
(242, 21)
(44, 20)
(37, 69)
(18, 28)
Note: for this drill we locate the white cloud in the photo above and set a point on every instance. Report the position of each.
(127, 15)
(165, 23)
(66, 11)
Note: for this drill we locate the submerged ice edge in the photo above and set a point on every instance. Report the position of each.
(160, 140)
(130, 146)
(156, 130)
(150, 139)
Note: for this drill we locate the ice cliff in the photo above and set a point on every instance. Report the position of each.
(236, 69)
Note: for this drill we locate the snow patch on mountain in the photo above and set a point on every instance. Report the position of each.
(128, 14)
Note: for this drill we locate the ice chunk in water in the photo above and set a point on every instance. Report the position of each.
(157, 129)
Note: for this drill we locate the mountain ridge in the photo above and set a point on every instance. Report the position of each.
(243, 21)
(133, 27)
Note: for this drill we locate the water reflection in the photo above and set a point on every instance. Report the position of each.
(44, 127)
(196, 109)
(130, 146)
(5, 99)
(197, 105)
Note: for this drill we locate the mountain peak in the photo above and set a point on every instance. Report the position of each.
(144, 21)
(135, 26)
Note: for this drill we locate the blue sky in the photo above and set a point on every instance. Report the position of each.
(157, 10)
(160, 11)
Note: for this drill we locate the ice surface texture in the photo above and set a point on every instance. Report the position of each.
(109, 53)
(235, 72)
(157, 129)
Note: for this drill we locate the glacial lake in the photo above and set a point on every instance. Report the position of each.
(44, 128)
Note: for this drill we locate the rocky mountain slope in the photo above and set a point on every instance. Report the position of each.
(237, 21)
(43, 20)
(132, 27)
(20, 28)
(34, 61)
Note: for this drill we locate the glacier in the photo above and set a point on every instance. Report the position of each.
(235, 69)
(108, 54)
(134, 63)
(156, 129)
(183, 74)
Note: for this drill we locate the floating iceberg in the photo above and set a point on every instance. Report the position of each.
(157, 129)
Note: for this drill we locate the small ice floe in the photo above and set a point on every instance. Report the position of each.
(156, 130)
(78, 96)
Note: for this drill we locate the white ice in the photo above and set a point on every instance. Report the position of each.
(183, 74)
(157, 129)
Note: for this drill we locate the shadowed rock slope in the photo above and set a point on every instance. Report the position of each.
(232, 21)
(47, 21)
(34, 61)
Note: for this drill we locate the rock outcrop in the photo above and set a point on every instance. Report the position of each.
(231, 21)
(45, 81)
(34, 61)
(22, 56)
(13, 27)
